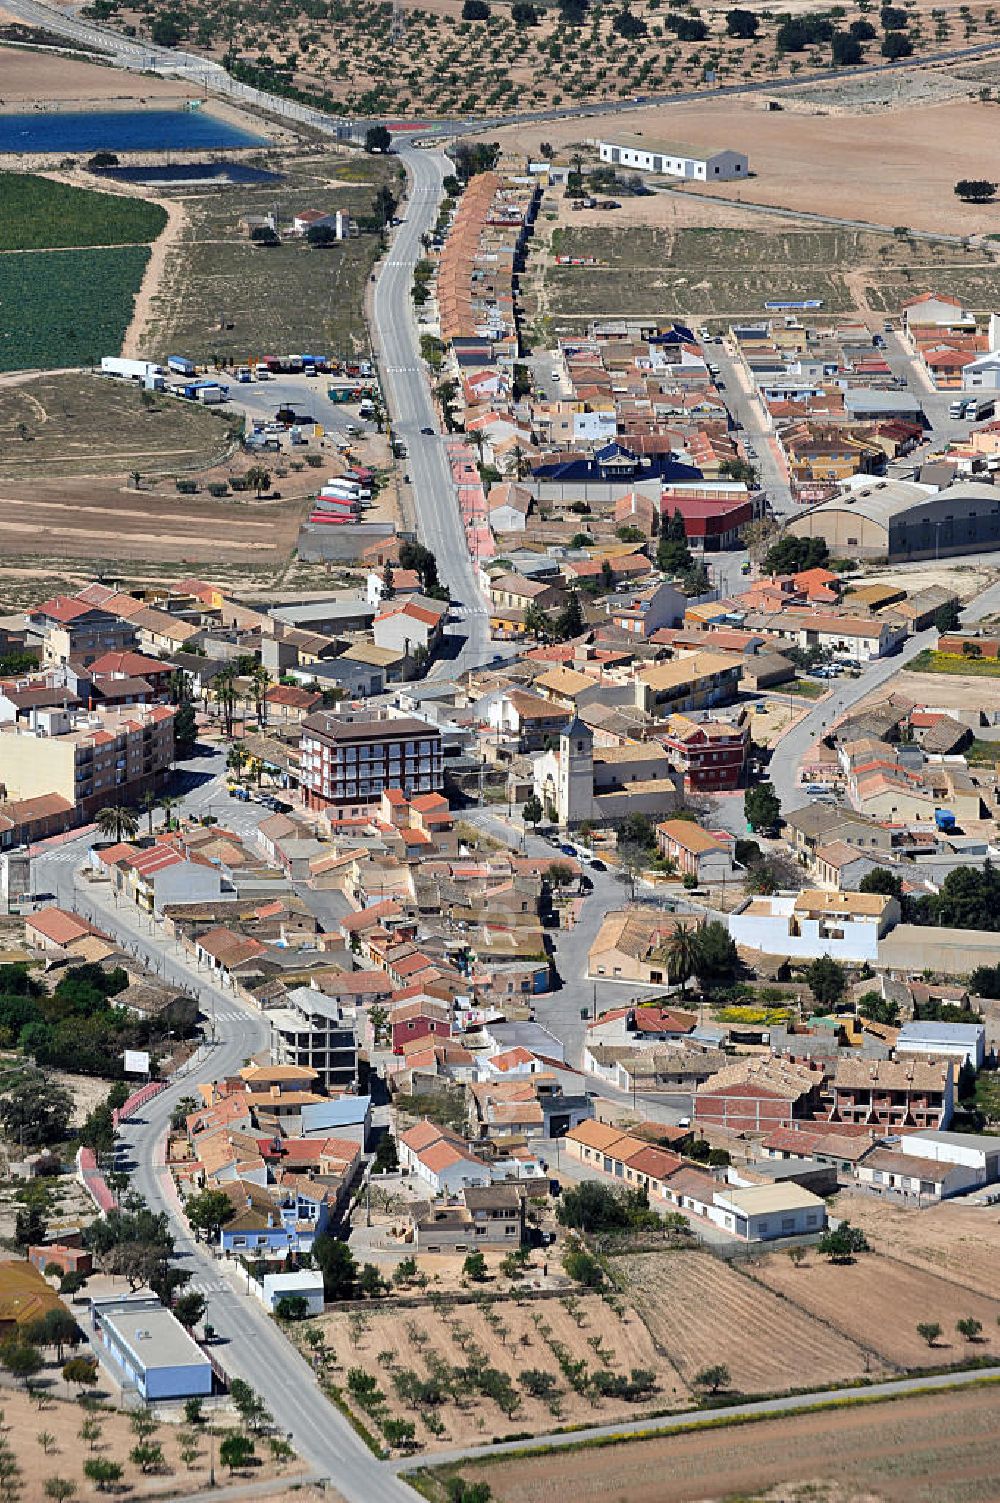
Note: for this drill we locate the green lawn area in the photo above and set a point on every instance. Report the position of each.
(803, 688)
(983, 753)
(930, 661)
(71, 306)
(987, 1096)
(41, 215)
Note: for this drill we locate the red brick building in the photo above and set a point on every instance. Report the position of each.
(759, 1094)
(710, 753)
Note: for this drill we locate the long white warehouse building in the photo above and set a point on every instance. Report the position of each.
(646, 154)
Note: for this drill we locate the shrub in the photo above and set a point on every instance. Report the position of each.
(584, 1268)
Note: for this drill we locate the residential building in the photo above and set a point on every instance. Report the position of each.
(491, 1216)
(316, 1032)
(349, 759)
(441, 1159)
(145, 1347)
(25, 1296)
(643, 612)
(70, 628)
(631, 945)
(764, 1213)
(698, 853)
(709, 753)
(760, 1093)
(695, 681)
(518, 593)
(530, 718)
(845, 925)
(893, 1093)
(91, 758)
(411, 625)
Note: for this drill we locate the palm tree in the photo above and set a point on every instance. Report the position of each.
(118, 823)
(180, 687)
(682, 954)
(168, 805)
(259, 478)
(148, 805)
(260, 682)
(224, 688)
(238, 756)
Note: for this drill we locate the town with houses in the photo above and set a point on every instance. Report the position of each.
(545, 973)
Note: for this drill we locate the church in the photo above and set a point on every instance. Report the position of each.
(606, 784)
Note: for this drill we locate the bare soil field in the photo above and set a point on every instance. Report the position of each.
(936, 1449)
(79, 424)
(511, 1337)
(949, 691)
(66, 1454)
(93, 521)
(27, 77)
(959, 1242)
(722, 272)
(700, 1310)
(896, 167)
(878, 1302)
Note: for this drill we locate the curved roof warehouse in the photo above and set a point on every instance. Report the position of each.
(896, 520)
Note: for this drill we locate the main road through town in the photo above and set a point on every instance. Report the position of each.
(405, 386)
(249, 1345)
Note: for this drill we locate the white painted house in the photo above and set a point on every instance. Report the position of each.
(764, 1213)
(803, 926)
(646, 154)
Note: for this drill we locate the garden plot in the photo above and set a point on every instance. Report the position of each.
(879, 1302)
(957, 1241)
(701, 1311)
(505, 1341)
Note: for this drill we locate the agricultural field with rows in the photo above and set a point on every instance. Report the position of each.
(70, 307)
(42, 215)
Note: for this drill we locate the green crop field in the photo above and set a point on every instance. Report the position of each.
(36, 214)
(64, 308)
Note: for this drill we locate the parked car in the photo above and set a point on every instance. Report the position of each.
(427, 432)
(568, 850)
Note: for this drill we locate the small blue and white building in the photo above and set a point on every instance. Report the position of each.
(143, 1346)
(964, 1042)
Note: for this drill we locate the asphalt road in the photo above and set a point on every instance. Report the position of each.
(250, 1345)
(728, 1412)
(405, 385)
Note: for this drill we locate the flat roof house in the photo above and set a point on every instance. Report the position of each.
(845, 925)
(762, 1213)
(673, 159)
(964, 1042)
(137, 1336)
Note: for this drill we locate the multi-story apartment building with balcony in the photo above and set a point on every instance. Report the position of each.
(91, 758)
(349, 760)
(69, 627)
